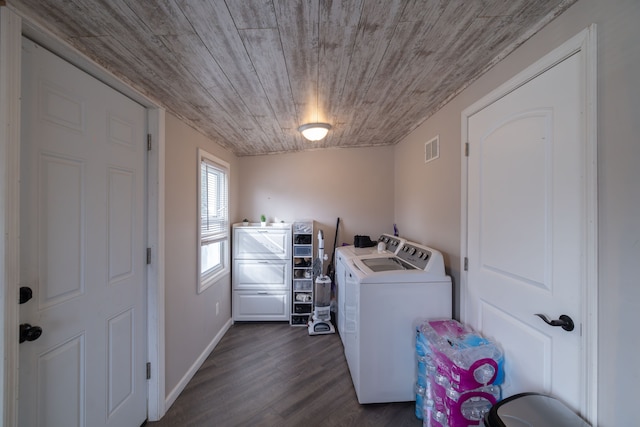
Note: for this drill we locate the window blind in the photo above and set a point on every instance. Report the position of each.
(214, 216)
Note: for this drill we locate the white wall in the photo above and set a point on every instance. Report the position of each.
(355, 185)
(190, 320)
(618, 185)
(427, 196)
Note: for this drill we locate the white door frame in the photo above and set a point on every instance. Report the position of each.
(585, 42)
(12, 27)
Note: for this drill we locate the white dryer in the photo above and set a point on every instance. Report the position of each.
(386, 296)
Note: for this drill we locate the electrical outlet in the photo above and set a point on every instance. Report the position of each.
(217, 308)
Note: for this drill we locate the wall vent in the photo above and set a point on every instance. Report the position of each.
(432, 149)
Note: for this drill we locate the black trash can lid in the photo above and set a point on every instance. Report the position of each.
(532, 410)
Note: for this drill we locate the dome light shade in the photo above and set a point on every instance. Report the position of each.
(315, 131)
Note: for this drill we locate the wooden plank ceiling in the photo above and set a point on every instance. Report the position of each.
(248, 73)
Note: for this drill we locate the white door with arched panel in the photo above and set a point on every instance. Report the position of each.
(530, 226)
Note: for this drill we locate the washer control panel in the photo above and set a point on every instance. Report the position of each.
(393, 243)
(415, 255)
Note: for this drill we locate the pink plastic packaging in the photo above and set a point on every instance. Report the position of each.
(467, 359)
(462, 370)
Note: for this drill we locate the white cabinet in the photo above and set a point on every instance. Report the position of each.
(260, 305)
(256, 242)
(261, 272)
(302, 288)
(274, 274)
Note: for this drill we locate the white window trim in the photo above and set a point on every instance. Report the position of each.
(207, 280)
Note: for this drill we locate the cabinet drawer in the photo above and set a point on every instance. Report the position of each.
(262, 243)
(272, 274)
(268, 305)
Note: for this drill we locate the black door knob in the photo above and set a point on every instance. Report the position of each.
(25, 294)
(29, 333)
(565, 322)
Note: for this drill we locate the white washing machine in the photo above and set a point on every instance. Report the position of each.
(385, 297)
(392, 244)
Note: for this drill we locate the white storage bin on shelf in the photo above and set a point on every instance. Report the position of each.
(303, 285)
(302, 263)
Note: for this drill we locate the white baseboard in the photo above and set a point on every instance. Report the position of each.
(196, 365)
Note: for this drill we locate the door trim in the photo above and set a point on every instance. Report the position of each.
(156, 404)
(12, 26)
(10, 88)
(585, 42)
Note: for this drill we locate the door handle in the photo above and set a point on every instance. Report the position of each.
(25, 294)
(29, 333)
(565, 322)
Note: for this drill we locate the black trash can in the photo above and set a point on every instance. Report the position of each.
(532, 410)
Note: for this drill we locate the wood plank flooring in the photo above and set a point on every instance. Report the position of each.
(272, 374)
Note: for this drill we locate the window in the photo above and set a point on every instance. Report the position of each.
(213, 256)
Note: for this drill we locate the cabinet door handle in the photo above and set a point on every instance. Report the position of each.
(263, 293)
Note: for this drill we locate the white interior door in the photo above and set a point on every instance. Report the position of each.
(82, 248)
(527, 225)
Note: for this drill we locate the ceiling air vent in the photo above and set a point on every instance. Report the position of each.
(432, 149)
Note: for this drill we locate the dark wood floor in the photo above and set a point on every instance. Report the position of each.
(272, 374)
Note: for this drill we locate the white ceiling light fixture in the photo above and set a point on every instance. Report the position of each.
(315, 131)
